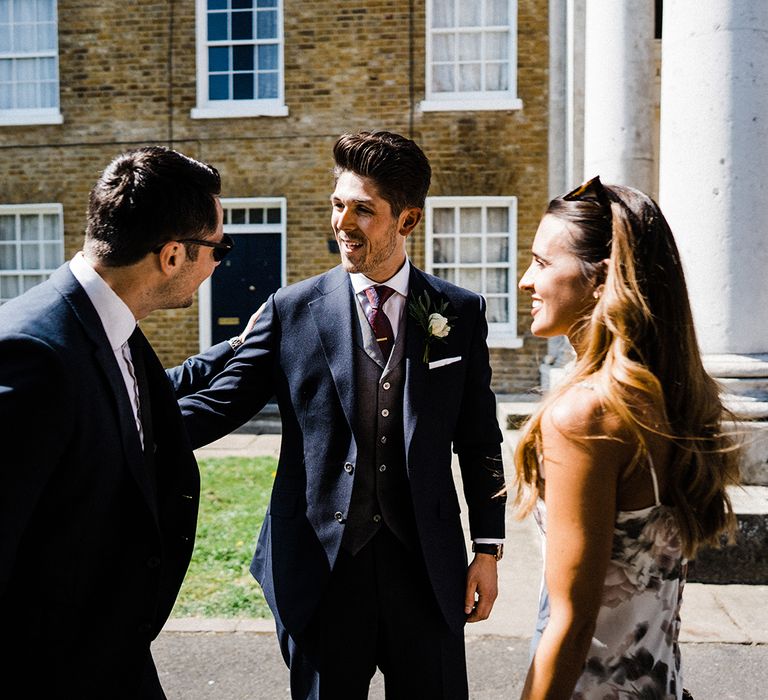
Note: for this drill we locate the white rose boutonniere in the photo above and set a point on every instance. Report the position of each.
(433, 319)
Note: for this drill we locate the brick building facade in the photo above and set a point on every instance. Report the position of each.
(130, 73)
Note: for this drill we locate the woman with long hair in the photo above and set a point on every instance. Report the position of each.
(624, 465)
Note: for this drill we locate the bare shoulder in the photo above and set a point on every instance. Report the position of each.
(579, 419)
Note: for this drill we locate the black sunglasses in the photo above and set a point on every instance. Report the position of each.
(220, 248)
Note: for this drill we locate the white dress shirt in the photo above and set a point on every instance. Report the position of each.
(119, 323)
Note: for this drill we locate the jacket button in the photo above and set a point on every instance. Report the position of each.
(383, 468)
(339, 516)
(349, 467)
(377, 518)
(385, 412)
(383, 439)
(386, 386)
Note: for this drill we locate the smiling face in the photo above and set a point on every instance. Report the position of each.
(371, 239)
(560, 293)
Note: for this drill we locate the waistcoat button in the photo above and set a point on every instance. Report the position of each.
(385, 412)
(383, 468)
(349, 467)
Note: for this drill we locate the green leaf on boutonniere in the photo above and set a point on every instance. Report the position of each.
(433, 319)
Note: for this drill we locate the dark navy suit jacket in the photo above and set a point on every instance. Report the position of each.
(301, 352)
(92, 551)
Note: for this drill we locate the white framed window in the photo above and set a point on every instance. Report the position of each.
(29, 62)
(248, 216)
(239, 59)
(472, 242)
(471, 50)
(31, 246)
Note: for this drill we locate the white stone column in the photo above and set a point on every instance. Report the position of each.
(619, 92)
(714, 191)
(713, 181)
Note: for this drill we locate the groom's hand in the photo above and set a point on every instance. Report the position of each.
(482, 587)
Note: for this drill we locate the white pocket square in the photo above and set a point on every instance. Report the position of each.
(443, 363)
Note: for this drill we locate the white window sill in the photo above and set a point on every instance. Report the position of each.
(501, 339)
(23, 117)
(471, 104)
(233, 110)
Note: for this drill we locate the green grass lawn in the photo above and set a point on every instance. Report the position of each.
(233, 499)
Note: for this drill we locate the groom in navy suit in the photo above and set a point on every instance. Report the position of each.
(98, 484)
(379, 371)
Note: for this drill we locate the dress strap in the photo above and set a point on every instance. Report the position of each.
(655, 481)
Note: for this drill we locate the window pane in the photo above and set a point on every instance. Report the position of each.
(469, 47)
(469, 77)
(242, 86)
(6, 70)
(497, 310)
(29, 226)
(446, 273)
(496, 12)
(266, 3)
(217, 4)
(496, 46)
(267, 86)
(268, 57)
(470, 13)
(217, 26)
(242, 25)
(25, 69)
(497, 249)
(9, 287)
(5, 11)
(51, 227)
(471, 279)
(496, 279)
(7, 256)
(29, 281)
(5, 39)
(497, 219)
(30, 256)
(45, 11)
(218, 87)
(442, 13)
(443, 221)
(46, 36)
(471, 220)
(274, 215)
(49, 94)
(444, 250)
(239, 4)
(266, 24)
(496, 76)
(443, 47)
(25, 38)
(23, 11)
(442, 79)
(255, 216)
(46, 68)
(7, 228)
(238, 216)
(471, 249)
(51, 257)
(218, 58)
(242, 58)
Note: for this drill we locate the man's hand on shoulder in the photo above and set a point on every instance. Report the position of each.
(482, 581)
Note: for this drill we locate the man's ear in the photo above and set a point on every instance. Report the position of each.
(409, 220)
(171, 257)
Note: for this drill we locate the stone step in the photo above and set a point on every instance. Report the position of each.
(266, 422)
(746, 561)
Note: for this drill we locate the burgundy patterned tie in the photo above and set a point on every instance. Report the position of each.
(382, 328)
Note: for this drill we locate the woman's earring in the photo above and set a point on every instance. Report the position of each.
(597, 293)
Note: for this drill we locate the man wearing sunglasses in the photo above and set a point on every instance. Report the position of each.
(98, 485)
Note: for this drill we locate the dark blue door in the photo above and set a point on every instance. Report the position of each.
(243, 281)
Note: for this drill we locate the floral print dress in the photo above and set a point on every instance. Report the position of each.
(634, 651)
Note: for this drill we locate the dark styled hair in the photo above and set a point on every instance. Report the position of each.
(147, 197)
(639, 340)
(396, 165)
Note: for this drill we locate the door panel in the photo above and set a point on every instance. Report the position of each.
(243, 281)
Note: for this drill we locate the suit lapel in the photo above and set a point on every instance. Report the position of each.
(416, 372)
(104, 357)
(333, 316)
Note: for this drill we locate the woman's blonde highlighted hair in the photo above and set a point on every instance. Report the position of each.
(639, 341)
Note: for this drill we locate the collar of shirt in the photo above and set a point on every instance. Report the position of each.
(115, 316)
(398, 282)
